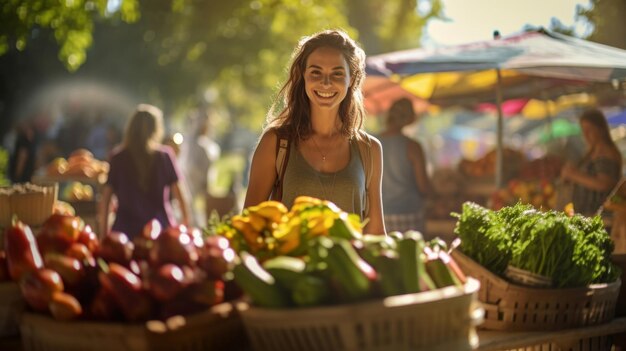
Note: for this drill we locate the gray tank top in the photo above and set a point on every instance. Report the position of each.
(345, 188)
(399, 188)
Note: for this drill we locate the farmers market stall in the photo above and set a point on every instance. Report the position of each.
(313, 281)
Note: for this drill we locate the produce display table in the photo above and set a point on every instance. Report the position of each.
(489, 340)
(497, 340)
(86, 209)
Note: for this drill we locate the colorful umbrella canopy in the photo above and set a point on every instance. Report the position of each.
(531, 64)
(617, 119)
(536, 53)
(538, 109)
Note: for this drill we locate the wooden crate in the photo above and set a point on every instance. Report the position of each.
(218, 328)
(513, 307)
(442, 319)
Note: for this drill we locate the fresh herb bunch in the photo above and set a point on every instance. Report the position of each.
(483, 237)
(573, 251)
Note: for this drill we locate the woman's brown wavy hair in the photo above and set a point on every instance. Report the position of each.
(295, 120)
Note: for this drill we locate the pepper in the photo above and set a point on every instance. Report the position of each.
(21, 249)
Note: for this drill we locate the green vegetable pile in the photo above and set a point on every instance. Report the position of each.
(573, 251)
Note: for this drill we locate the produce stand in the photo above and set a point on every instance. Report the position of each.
(86, 209)
(442, 319)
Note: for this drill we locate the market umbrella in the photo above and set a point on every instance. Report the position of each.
(617, 119)
(382, 93)
(539, 109)
(531, 64)
(560, 128)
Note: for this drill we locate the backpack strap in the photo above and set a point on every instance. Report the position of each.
(282, 150)
(365, 150)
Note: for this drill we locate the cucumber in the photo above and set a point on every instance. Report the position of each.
(310, 290)
(387, 266)
(286, 270)
(353, 275)
(414, 275)
(258, 283)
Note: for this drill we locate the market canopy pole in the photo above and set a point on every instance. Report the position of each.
(500, 125)
(499, 133)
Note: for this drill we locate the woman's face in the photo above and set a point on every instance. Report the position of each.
(326, 78)
(590, 132)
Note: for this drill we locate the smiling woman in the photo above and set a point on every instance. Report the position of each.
(326, 153)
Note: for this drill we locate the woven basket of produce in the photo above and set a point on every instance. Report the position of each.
(514, 249)
(164, 290)
(442, 319)
(510, 306)
(218, 328)
(316, 282)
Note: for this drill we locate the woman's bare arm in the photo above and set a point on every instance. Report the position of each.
(262, 170)
(376, 223)
(178, 195)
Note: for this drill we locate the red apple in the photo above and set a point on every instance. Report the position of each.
(115, 247)
(59, 232)
(174, 245)
(69, 268)
(166, 282)
(88, 238)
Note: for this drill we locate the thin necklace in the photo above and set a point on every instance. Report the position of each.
(319, 179)
(320, 151)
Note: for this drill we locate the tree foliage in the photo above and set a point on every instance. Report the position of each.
(170, 52)
(607, 18)
(71, 21)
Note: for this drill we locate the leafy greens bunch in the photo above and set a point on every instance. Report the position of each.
(573, 251)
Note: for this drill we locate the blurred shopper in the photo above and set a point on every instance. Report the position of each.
(97, 139)
(141, 176)
(321, 120)
(200, 154)
(23, 157)
(598, 172)
(405, 182)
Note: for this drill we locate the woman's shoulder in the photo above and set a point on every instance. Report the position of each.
(607, 156)
(367, 138)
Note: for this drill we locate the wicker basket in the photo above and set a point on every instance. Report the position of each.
(514, 307)
(442, 319)
(596, 343)
(11, 308)
(32, 204)
(219, 328)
